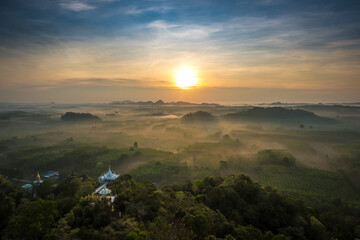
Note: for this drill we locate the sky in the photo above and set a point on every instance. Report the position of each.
(243, 51)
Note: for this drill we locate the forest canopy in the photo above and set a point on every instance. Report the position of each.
(211, 208)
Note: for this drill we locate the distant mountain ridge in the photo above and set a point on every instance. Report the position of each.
(159, 102)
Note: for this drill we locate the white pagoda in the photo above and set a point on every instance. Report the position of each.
(108, 177)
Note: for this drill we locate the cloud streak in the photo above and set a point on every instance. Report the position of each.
(138, 11)
(76, 6)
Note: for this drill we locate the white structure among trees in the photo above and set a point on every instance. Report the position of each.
(108, 177)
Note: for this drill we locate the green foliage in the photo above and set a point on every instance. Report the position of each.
(67, 157)
(137, 234)
(9, 200)
(99, 165)
(32, 220)
(164, 171)
(211, 208)
(348, 158)
(46, 188)
(248, 232)
(208, 154)
(279, 157)
(300, 146)
(317, 229)
(307, 181)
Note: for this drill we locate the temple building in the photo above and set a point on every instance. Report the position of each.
(36, 184)
(105, 194)
(108, 177)
(105, 191)
(27, 187)
(38, 180)
(52, 174)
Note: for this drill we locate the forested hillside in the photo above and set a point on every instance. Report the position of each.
(212, 208)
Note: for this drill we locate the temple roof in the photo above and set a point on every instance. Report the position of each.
(109, 176)
(104, 191)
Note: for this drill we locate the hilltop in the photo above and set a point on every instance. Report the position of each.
(199, 117)
(278, 115)
(71, 116)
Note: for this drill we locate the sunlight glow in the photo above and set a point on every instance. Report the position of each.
(185, 78)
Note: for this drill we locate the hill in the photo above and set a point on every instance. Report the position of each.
(198, 117)
(72, 116)
(278, 115)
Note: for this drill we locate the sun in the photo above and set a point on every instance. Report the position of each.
(185, 78)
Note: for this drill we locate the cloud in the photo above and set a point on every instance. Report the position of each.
(138, 11)
(95, 82)
(76, 6)
(101, 82)
(182, 31)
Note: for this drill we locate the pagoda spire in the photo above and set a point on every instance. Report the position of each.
(38, 178)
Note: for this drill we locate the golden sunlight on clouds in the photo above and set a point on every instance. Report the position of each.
(185, 78)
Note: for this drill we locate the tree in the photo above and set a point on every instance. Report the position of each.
(9, 199)
(45, 188)
(317, 229)
(223, 165)
(226, 137)
(99, 165)
(137, 234)
(32, 221)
